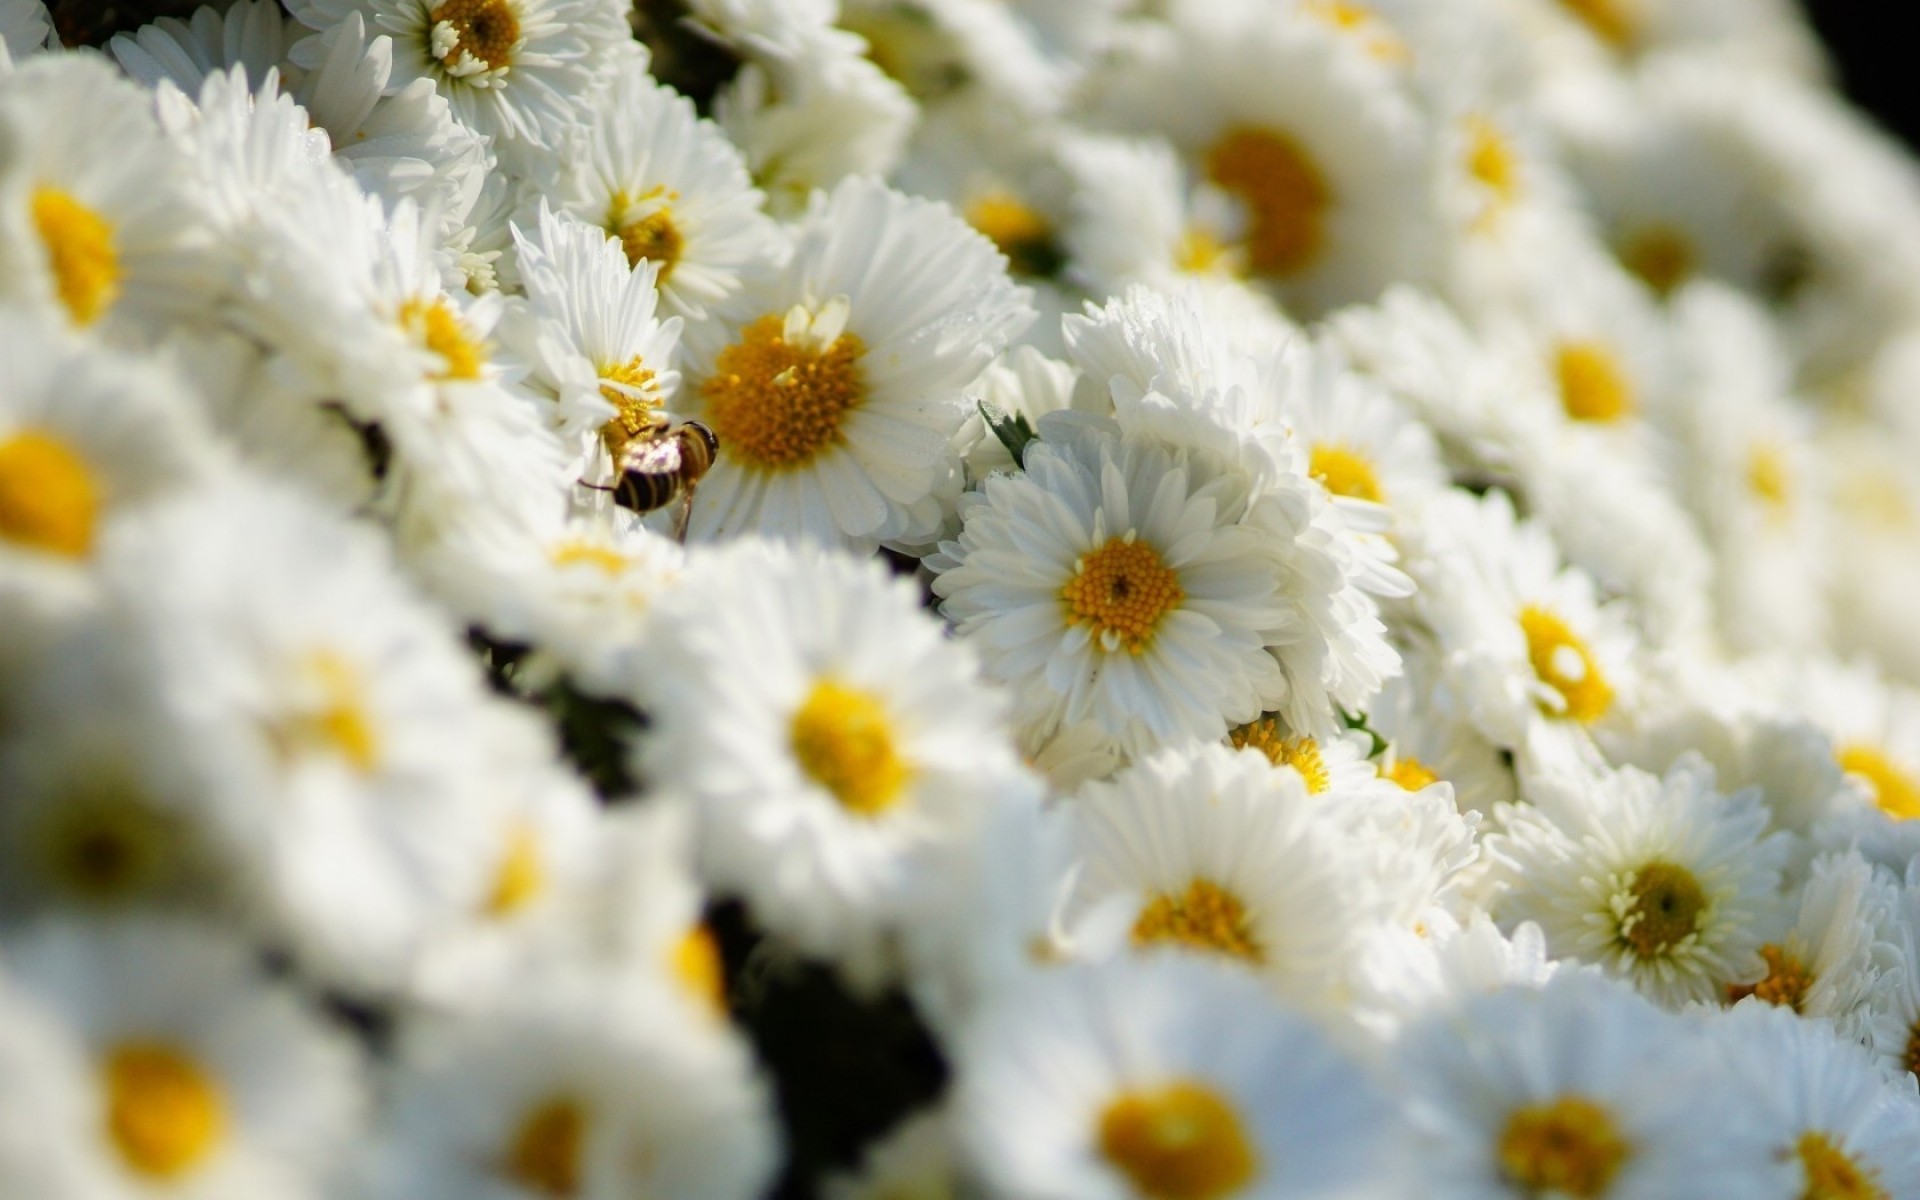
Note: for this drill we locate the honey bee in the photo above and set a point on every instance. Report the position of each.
(660, 462)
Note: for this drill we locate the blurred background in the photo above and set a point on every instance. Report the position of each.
(1873, 56)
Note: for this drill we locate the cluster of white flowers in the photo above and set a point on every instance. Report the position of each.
(1322, 591)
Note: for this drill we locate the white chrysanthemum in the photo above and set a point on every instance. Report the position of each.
(1023, 382)
(1577, 1087)
(1167, 1077)
(1840, 1124)
(1318, 143)
(322, 711)
(1525, 637)
(1665, 883)
(44, 1071)
(1120, 582)
(671, 189)
(1430, 737)
(1893, 1023)
(514, 70)
(206, 1079)
(833, 744)
(25, 30)
(836, 394)
(599, 352)
(1762, 37)
(572, 1085)
(1402, 974)
(1207, 850)
(1361, 444)
(251, 34)
(1836, 960)
(97, 222)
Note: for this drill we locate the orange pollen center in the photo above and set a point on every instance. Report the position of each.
(1895, 791)
(1182, 1141)
(776, 405)
(486, 29)
(1286, 197)
(1122, 590)
(1563, 662)
(1205, 916)
(650, 234)
(1593, 387)
(1833, 1175)
(545, 1155)
(1787, 982)
(165, 1115)
(630, 388)
(1662, 908)
(1661, 256)
(1568, 1147)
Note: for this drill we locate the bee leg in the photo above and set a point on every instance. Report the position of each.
(686, 514)
(596, 487)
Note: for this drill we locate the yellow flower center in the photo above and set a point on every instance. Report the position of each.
(1615, 22)
(1568, 1147)
(1663, 909)
(776, 405)
(545, 1154)
(48, 498)
(1286, 197)
(1375, 36)
(521, 875)
(845, 743)
(1204, 917)
(336, 721)
(1300, 753)
(633, 414)
(698, 966)
(1832, 1174)
(650, 233)
(579, 553)
(1894, 790)
(1770, 478)
(103, 842)
(1201, 252)
(434, 325)
(80, 253)
(1122, 590)
(1661, 256)
(1411, 774)
(1563, 663)
(1593, 386)
(1183, 1141)
(486, 29)
(1786, 985)
(1492, 161)
(165, 1114)
(1345, 473)
(1020, 233)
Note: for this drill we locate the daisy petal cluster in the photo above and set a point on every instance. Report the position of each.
(1127, 599)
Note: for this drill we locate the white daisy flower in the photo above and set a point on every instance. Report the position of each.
(1430, 738)
(833, 743)
(252, 34)
(1577, 1087)
(671, 189)
(322, 711)
(1318, 143)
(1209, 851)
(97, 223)
(1836, 960)
(836, 395)
(572, 1085)
(1166, 1077)
(1120, 582)
(1840, 1124)
(205, 1078)
(1874, 724)
(1665, 883)
(1404, 974)
(513, 70)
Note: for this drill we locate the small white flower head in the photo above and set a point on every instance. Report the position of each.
(1576, 1088)
(202, 1077)
(513, 70)
(1842, 1127)
(836, 395)
(1167, 1077)
(1665, 883)
(99, 228)
(833, 744)
(572, 1084)
(1119, 581)
(1211, 851)
(1403, 974)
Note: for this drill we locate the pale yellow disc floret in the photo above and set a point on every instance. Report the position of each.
(80, 253)
(1593, 385)
(1344, 471)
(845, 741)
(647, 230)
(1122, 590)
(335, 720)
(1832, 1174)
(521, 874)
(1894, 790)
(433, 325)
(1564, 663)
(546, 1150)
(1300, 753)
(49, 499)
(1663, 908)
(165, 1113)
(1565, 1147)
(777, 403)
(1180, 1141)
(698, 966)
(1204, 916)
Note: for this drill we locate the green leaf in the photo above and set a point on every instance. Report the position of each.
(1015, 432)
(1360, 722)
